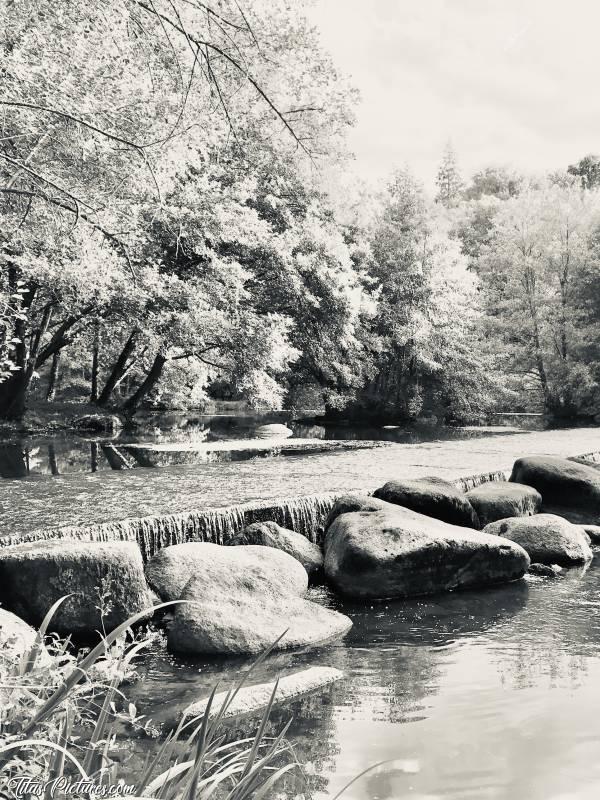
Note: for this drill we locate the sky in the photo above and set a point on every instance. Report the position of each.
(514, 82)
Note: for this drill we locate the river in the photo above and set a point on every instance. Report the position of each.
(484, 695)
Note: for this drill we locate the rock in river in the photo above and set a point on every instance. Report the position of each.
(270, 534)
(234, 606)
(563, 484)
(433, 497)
(355, 502)
(109, 575)
(171, 568)
(400, 553)
(547, 538)
(500, 499)
(254, 699)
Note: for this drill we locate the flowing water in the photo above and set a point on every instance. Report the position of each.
(484, 695)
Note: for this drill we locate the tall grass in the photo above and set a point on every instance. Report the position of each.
(61, 716)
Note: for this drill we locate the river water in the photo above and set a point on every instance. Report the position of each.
(485, 695)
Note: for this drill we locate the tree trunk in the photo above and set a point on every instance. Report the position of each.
(133, 403)
(53, 378)
(119, 368)
(95, 363)
(15, 391)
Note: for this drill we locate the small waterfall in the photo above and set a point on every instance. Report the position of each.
(305, 514)
(471, 481)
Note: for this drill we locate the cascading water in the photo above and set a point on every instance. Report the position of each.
(305, 514)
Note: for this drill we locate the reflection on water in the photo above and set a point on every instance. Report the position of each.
(473, 695)
(178, 439)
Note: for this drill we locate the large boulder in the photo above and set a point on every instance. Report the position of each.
(170, 570)
(500, 499)
(568, 488)
(270, 534)
(401, 553)
(234, 607)
(106, 581)
(433, 497)
(547, 538)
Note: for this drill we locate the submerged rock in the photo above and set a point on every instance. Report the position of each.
(433, 497)
(547, 538)
(400, 553)
(170, 570)
(545, 570)
(270, 534)
(500, 499)
(98, 575)
(106, 424)
(235, 606)
(254, 699)
(273, 430)
(562, 483)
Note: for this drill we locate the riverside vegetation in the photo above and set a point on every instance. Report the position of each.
(411, 538)
(180, 222)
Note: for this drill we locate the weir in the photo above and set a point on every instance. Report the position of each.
(305, 514)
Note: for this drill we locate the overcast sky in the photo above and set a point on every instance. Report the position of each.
(508, 81)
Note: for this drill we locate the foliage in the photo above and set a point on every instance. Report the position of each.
(64, 715)
(449, 182)
(539, 254)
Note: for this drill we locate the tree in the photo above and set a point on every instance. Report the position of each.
(499, 182)
(94, 141)
(536, 259)
(588, 171)
(449, 181)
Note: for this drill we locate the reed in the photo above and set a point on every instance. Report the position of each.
(62, 713)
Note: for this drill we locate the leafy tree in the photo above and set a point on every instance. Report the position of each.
(531, 270)
(449, 181)
(95, 143)
(588, 171)
(494, 181)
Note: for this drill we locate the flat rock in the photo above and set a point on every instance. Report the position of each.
(563, 484)
(108, 575)
(170, 570)
(500, 499)
(254, 699)
(547, 538)
(401, 553)
(270, 534)
(236, 607)
(433, 497)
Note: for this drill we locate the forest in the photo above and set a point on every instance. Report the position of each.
(180, 222)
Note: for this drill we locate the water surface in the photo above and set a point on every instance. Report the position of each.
(489, 695)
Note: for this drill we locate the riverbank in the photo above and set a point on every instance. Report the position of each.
(83, 499)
